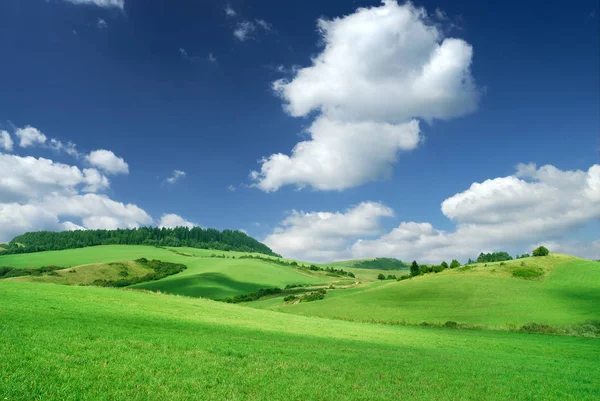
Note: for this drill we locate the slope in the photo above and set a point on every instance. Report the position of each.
(74, 343)
(568, 292)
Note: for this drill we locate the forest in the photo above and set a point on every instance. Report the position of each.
(196, 237)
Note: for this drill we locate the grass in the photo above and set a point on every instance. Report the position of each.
(569, 293)
(86, 274)
(84, 343)
(206, 277)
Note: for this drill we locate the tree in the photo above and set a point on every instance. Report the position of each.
(454, 264)
(444, 265)
(470, 262)
(414, 268)
(541, 251)
(381, 276)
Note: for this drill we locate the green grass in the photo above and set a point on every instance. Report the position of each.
(205, 277)
(86, 343)
(86, 274)
(569, 293)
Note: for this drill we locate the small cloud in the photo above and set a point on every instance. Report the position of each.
(101, 3)
(230, 12)
(30, 136)
(232, 188)
(108, 162)
(6, 141)
(264, 25)
(212, 58)
(257, 224)
(244, 30)
(243, 231)
(69, 147)
(177, 175)
(173, 220)
(101, 24)
(183, 52)
(439, 14)
(74, 32)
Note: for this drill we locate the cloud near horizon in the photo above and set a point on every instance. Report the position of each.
(380, 70)
(534, 206)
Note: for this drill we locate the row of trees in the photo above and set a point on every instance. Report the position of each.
(382, 264)
(196, 237)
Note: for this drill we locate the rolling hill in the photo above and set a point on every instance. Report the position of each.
(72, 343)
(567, 292)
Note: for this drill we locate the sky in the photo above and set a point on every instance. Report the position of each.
(330, 130)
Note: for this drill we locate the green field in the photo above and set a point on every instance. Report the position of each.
(205, 276)
(84, 343)
(569, 293)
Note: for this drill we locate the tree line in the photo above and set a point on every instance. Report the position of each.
(196, 237)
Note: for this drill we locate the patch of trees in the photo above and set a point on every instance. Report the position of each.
(8, 271)
(416, 270)
(314, 296)
(196, 237)
(493, 257)
(281, 262)
(161, 270)
(253, 296)
(382, 276)
(382, 264)
(541, 251)
(524, 256)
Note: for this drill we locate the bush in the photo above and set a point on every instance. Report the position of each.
(289, 298)
(381, 276)
(454, 264)
(541, 251)
(404, 277)
(391, 277)
(528, 273)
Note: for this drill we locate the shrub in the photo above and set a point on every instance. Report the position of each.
(289, 298)
(391, 277)
(454, 264)
(404, 277)
(451, 324)
(381, 276)
(527, 273)
(541, 251)
(294, 264)
(438, 268)
(444, 265)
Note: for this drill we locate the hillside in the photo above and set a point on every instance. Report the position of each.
(226, 240)
(209, 274)
(568, 292)
(74, 343)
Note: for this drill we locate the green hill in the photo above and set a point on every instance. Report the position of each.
(217, 277)
(73, 343)
(197, 237)
(564, 290)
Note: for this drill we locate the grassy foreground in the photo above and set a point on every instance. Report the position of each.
(85, 343)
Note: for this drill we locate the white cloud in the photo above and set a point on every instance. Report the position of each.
(544, 205)
(535, 206)
(101, 24)
(183, 52)
(30, 136)
(321, 236)
(108, 162)
(101, 3)
(244, 30)
(230, 12)
(212, 58)
(69, 148)
(27, 178)
(177, 175)
(264, 25)
(6, 142)
(340, 155)
(173, 220)
(232, 188)
(48, 213)
(381, 67)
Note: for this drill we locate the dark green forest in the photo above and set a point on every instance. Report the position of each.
(493, 257)
(209, 238)
(382, 264)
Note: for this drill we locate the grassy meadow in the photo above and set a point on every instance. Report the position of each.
(87, 343)
(567, 293)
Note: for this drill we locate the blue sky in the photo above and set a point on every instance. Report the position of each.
(191, 88)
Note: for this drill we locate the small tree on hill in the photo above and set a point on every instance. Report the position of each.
(454, 264)
(444, 265)
(541, 251)
(414, 268)
(381, 276)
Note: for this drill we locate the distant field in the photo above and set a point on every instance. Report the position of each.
(569, 293)
(74, 343)
(205, 277)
